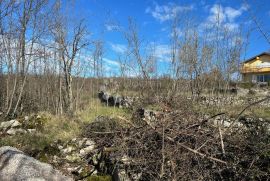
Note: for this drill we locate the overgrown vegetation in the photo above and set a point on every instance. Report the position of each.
(190, 120)
(180, 145)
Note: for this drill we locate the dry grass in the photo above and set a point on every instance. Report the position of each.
(61, 127)
(95, 108)
(54, 128)
(234, 110)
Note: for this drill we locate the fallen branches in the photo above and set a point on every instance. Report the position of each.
(196, 152)
(247, 107)
(179, 145)
(190, 149)
(221, 140)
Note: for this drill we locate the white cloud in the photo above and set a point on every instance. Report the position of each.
(162, 52)
(112, 67)
(231, 26)
(111, 62)
(112, 27)
(179, 32)
(224, 16)
(216, 14)
(232, 13)
(166, 12)
(244, 7)
(118, 48)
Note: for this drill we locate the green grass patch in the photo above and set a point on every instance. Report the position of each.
(99, 178)
(26, 142)
(53, 128)
(234, 110)
(95, 108)
(262, 112)
(61, 127)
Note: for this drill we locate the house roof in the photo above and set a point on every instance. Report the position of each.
(252, 58)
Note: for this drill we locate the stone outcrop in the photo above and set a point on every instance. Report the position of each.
(22, 125)
(115, 100)
(15, 165)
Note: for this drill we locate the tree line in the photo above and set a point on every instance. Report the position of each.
(47, 57)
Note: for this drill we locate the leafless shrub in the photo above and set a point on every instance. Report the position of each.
(179, 145)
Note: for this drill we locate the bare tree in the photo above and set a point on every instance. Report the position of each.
(142, 59)
(69, 45)
(135, 47)
(28, 13)
(97, 58)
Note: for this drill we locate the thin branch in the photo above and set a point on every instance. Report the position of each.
(221, 140)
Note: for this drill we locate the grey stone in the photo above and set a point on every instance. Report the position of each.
(13, 131)
(89, 142)
(7, 124)
(16, 124)
(82, 142)
(87, 150)
(82, 153)
(123, 175)
(69, 149)
(73, 158)
(16, 166)
(26, 118)
(31, 130)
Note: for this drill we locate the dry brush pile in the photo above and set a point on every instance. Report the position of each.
(182, 145)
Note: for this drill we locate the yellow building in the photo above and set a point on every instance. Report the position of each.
(256, 69)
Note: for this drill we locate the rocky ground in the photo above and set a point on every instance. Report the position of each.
(130, 149)
(15, 165)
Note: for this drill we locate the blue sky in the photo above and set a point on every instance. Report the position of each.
(106, 17)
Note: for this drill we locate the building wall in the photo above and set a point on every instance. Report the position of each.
(258, 66)
(256, 62)
(262, 64)
(249, 76)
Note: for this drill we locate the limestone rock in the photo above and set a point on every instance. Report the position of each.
(8, 124)
(15, 165)
(82, 142)
(13, 131)
(69, 149)
(89, 143)
(16, 124)
(87, 150)
(73, 158)
(26, 118)
(31, 130)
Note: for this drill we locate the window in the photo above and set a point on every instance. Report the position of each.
(267, 78)
(263, 78)
(259, 78)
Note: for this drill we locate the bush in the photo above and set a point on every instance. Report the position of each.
(246, 85)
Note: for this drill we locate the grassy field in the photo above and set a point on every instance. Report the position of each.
(95, 108)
